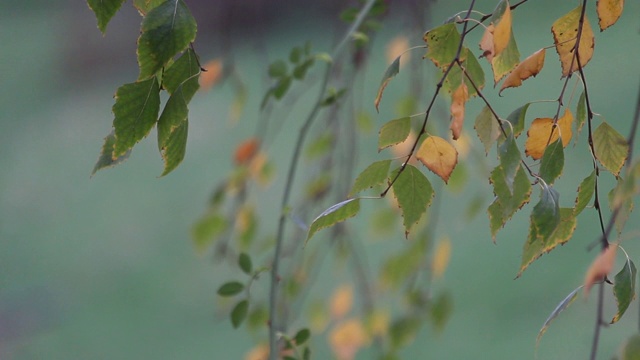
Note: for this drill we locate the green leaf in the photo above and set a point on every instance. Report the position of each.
(562, 306)
(173, 127)
(374, 174)
(306, 353)
(506, 61)
(278, 69)
(320, 146)
(334, 214)
(302, 336)
(144, 6)
(300, 71)
(441, 310)
(281, 87)
(166, 31)
(581, 114)
(611, 148)
(510, 159)
(585, 192)
(136, 111)
(545, 216)
(414, 194)
(456, 76)
(183, 73)
(106, 155)
(230, 288)
(536, 245)
(295, 54)
(552, 162)
(442, 44)
(517, 119)
(622, 196)
(487, 127)
(239, 313)
(403, 331)
(394, 132)
(244, 261)
(205, 230)
(104, 10)
(624, 288)
(509, 199)
(389, 74)
(631, 348)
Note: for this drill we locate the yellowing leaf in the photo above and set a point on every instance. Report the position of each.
(389, 74)
(441, 257)
(458, 98)
(439, 156)
(212, 75)
(347, 338)
(531, 66)
(609, 12)
(540, 134)
(600, 267)
(502, 31)
(486, 43)
(341, 301)
(246, 151)
(565, 32)
(402, 149)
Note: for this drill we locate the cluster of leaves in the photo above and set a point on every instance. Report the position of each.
(166, 32)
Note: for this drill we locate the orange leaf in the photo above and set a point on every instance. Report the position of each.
(246, 151)
(565, 31)
(458, 98)
(438, 156)
(502, 32)
(531, 66)
(609, 12)
(347, 338)
(341, 301)
(486, 43)
(212, 76)
(542, 133)
(600, 267)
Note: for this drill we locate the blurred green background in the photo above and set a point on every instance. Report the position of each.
(104, 268)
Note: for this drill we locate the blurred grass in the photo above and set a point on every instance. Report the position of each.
(104, 268)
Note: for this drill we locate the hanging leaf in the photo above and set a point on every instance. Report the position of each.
(621, 197)
(487, 127)
(302, 336)
(173, 127)
(536, 245)
(507, 202)
(600, 267)
(136, 111)
(458, 99)
(545, 216)
(166, 31)
(581, 114)
(542, 132)
(239, 313)
(502, 21)
(457, 76)
(562, 306)
(389, 74)
(552, 162)
(510, 158)
(438, 156)
(207, 229)
(394, 132)
(565, 32)
(441, 256)
(104, 10)
(414, 194)
(106, 154)
(486, 43)
(531, 66)
(611, 148)
(334, 214)
(341, 301)
(517, 119)
(244, 261)
(374, 174)
(441, 310)
(506, 61)
(624, 288)
(585, 192)
(609, 12)
(346, 338)
(442, 44)
(230, 288)
(144, 6)
(183, 73)
(246, 151)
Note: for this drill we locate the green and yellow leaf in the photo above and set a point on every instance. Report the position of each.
(611, 148)
(389, 74)
(565, 32)
(394, 132)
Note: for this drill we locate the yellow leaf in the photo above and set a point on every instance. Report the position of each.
(347, 338)
(402, 149)
(486, 43)
(600, 267)
(438, 156)
(542, 133)
(458, 98)
(441, 257)
(531, 66)
(341, 301)
(212, 75)
(609, 12)
(502, 32)
(565, 31)
(396, 47)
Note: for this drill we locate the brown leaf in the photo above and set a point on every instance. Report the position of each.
(531, 66)
(439, 156)
(212, 75)
(246, 151)
(540, 134)
(609, 12)
(486, 43)
(600, 267)
(565, 31)
(458, 98)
